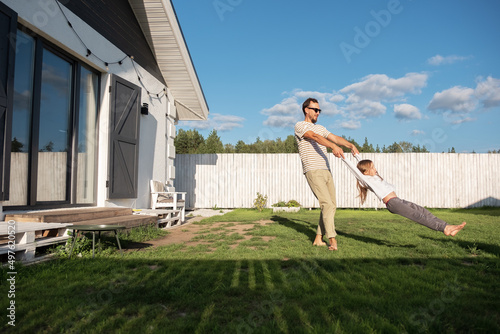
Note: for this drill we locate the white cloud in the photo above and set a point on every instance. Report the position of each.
(406, 111)
(326, 101)
(289, 110)
(288, 106)
(379, 87)
(216, 121)
(488, 91)
(417, 132)
(337, 98)
(457, 99)
(440, 60)
(463, 120)
(350, 124)
(364, 99)
(281, 121)
(361, 108)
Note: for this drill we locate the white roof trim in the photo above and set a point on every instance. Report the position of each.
(160, 27)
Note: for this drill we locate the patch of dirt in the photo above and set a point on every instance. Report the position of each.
(185, 233)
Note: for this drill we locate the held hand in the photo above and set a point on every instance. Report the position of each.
(337, 151)
(354, 150)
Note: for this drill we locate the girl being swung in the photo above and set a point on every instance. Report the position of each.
(370, 180)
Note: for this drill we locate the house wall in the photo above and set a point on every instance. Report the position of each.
(156, 129)
(437, 180)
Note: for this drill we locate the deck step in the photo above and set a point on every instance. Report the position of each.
(69, 215)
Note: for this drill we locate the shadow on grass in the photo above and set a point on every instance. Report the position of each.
(306, 228)
(484, 211)
(471, 246)
(373, 240)
(250, 295)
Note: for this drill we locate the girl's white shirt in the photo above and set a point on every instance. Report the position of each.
(376, 184)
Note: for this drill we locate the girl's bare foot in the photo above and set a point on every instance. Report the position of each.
(453, 229)
(333, 244)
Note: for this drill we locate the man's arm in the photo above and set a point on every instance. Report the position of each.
(342, 142)
(332, 141)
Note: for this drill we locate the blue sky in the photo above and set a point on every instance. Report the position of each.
(426, 72)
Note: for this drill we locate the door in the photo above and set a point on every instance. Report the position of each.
(124, 138)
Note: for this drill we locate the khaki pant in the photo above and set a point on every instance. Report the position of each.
(321, 183)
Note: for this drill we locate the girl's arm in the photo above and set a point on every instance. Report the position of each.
(355, 170)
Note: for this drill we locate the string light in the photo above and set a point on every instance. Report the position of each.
(107, 63)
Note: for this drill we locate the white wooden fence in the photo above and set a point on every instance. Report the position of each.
(51, 182)
(437, 180)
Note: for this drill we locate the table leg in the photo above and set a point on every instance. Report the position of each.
(73, 244)
(93, 244)
(118, 242)
(100, 249)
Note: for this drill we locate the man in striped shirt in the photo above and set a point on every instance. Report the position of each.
(313, 141)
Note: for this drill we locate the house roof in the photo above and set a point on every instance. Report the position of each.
(159, 24)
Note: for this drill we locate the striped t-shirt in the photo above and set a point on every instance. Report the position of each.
(312, 154)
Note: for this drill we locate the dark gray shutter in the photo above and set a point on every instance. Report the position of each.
(8, 23)
(124, 141)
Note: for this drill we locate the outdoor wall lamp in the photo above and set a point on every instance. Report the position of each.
(144, 109)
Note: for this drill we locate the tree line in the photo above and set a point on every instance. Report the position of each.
(192, 142)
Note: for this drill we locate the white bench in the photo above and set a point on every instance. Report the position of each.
(164, 197)
(166, 218)
(24, 238)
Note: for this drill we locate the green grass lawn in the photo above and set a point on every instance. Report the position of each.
(390, 275)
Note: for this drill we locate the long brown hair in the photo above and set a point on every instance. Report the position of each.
(364, 166)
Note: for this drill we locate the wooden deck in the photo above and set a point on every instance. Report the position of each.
(86, 216)
(34, 229)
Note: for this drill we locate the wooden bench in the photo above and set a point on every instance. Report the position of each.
(24, 238)
(165, 218)
(164, 197)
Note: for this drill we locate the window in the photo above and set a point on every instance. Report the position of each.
(54, 127)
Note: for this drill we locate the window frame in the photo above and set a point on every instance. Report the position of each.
(42, 44)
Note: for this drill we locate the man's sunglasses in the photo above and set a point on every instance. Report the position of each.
(317, 110)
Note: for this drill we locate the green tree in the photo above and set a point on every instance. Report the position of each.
(418, 149)
(241, 147)
(213, 144)
(229, 148)
(366, 148)
(290, 145)
(48, 148)
(188, 142)
(16, 145)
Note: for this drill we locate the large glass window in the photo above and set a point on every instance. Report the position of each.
(21, 120)
(87, 136)
(54, 127)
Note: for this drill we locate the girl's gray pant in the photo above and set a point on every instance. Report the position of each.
(416, 213)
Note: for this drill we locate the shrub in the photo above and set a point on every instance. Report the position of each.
(290, 204)
(260, 202)
(293, 204)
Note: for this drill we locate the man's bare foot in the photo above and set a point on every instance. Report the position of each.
(453, 229)
(333, 244)
(319, 241)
